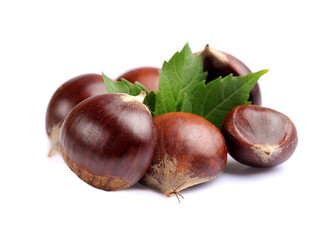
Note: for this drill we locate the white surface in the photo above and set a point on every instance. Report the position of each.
(43, 44)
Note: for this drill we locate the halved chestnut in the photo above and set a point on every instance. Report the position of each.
(259, 136)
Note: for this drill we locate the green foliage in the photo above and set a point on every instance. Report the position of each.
(179, 76)
(182, 87)
(123, 86)
(215, 100)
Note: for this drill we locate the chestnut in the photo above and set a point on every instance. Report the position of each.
(190, 150)
(109, 140)
(66, 97)
(259, 136)
(147, 76)
(218, 63)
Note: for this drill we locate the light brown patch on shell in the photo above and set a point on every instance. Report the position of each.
(54, 140)
(139, 98)
(164, 177)
(266, 152)
(107, 183)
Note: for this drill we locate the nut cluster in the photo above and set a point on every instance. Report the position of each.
(111, 141)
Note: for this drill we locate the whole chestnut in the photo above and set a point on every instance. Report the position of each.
(218, 63)
(109, 140)
(66, 97)
(190, 150)
(259, 136)
(147, 76)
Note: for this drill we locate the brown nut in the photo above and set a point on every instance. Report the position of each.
(218, 63)
(66, 97)
(190, 150)
(109, 140)
(147, 76)
(259, 136)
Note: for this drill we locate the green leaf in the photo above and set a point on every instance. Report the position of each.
(149, 101)
(187, 104)
(123, 86)
(133, 89)
(215, 100)
(179, 76)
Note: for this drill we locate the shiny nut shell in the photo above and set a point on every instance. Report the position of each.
(109, 140)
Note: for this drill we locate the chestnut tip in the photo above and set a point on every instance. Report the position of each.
(54, 140)
(141, 96)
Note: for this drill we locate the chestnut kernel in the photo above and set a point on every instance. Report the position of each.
(218, 63)
(147, 76)
(66, 97)
(190, 150)
(109, 140)
(259, 136)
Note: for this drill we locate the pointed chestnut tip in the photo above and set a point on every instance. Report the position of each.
(141, 96)
(54, 140)
(130, 98)
(52, 152)
(205, 51)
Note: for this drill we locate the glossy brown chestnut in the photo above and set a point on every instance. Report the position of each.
(218, 63)
(147, 76)
(66, 97)
(259, 136)
(109, 140)
(190, 150)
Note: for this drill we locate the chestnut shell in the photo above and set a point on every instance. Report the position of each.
(147, 76)
(218, 63)
(190, 150)
(259, 136)
(109, 140)
(72, 92)
(65, 98)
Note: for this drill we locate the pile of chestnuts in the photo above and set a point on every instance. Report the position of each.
(111, 141)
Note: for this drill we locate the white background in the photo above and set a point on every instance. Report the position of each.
(45, 43)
